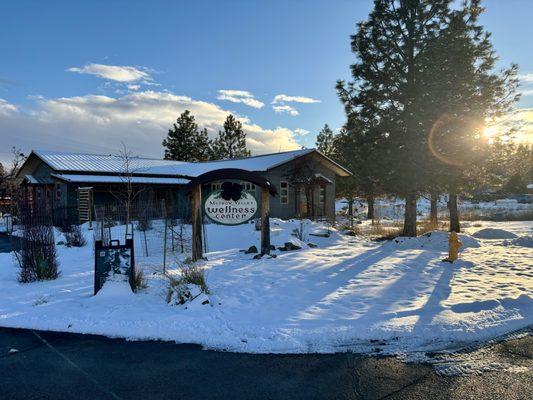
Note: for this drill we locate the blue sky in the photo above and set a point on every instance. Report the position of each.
(60, 86)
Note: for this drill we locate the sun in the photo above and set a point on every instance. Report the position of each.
(490, 131)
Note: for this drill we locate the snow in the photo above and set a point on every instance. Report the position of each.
(393, 208)
(120, 179)
(347, 294)
(100, 163)
(491, 233)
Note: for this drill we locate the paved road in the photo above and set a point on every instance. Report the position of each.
(50, 365)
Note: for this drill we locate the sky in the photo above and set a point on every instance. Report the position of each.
(87, 76)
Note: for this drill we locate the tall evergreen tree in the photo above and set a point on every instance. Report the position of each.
(325, 141)
(184, 142)
(231, 142)
(389, 47)
(425, 73)
(359, 148)
(465, 95)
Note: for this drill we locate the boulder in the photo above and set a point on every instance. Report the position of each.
(251, 250)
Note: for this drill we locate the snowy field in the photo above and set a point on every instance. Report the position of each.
(393, 209)
(347, 294)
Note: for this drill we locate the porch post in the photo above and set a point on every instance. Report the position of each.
(197, 223)
(265, 221)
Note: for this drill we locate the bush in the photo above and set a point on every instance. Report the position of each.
(193, 274)
(74, 236)
(37, 256)
(139, 281)
(188, 285)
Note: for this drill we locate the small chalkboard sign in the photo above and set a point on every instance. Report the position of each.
(116, 260)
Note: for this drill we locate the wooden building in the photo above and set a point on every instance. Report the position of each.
(304, 180)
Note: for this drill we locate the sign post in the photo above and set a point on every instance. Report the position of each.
(231, 205)
(265, 221)
(197, 251)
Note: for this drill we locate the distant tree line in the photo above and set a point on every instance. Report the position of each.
(185, 141)
(423, 88)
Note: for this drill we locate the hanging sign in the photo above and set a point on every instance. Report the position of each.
(231, 205)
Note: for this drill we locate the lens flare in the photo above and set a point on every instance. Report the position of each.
(452, 140)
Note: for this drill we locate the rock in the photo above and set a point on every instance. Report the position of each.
(272, 256)
(289, 246)
(324, 234)
(272, 247)
(258, 256)
(251, 249)
(205, 302)
(312, 245)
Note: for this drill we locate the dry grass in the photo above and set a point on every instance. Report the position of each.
(139, 281)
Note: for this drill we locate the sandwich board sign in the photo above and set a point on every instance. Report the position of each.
(113, 261)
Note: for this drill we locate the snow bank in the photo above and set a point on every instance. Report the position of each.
(524, 241)
(436, 240)
(348, 294)
(491, 233)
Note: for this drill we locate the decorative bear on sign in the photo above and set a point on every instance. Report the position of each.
(231, 190)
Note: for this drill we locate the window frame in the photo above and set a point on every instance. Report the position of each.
(283, 197)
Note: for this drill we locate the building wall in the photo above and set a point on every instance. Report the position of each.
(65, 195)
(289, 210)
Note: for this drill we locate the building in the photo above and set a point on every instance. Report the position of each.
(304, 180)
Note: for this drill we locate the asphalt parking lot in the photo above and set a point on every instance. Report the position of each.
(48, 365)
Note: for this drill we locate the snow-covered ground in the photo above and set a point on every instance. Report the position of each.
(349, 293)
(393, 208)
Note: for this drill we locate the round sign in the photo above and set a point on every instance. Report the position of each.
(230, 212)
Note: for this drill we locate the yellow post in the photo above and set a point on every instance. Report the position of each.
(454, 244)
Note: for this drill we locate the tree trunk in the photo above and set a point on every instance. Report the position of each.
(370, 210)
(433, 212)
(197, 250)
(350, 210)
(265, 221)
(455, 226)
(409, 224)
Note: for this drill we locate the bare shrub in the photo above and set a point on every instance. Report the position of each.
(193, 274)
(37, 256)
(139, 281)
(74, 236)
(181, 288)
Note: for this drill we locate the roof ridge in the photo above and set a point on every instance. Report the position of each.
(259, 155)
(77, 153)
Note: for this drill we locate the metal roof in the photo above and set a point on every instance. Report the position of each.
(38, 180)
(120, 179)
(114, 164)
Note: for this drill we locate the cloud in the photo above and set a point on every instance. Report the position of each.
(527, 78)
(526, 84)
(7, 108)
(301, 132)
(115, 73)
(97, 123)
(518, 126)
(280, 103)
(239, 96)
(286, 109)
(283, 98)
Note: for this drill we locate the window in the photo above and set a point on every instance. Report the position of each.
(248, 186)
(216, 186)
(284, 192)
(322, 196)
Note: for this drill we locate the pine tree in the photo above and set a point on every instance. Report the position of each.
(325, 141)
(184, 142)
(231, 142)
(466, 94)
(389, 47)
